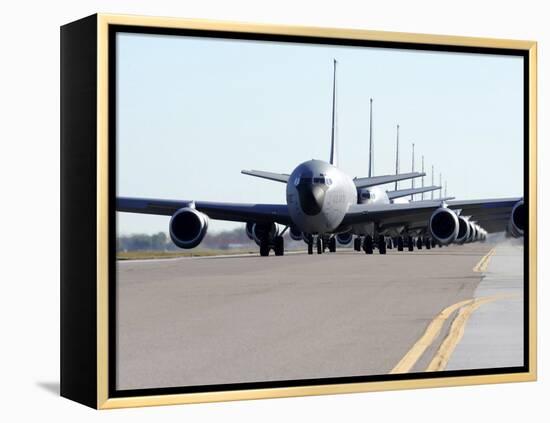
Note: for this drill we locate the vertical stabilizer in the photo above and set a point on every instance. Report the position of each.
(397, 157)
(432, 180)
(412, 180)
(422, 197)
(371, 164)
(333, 152)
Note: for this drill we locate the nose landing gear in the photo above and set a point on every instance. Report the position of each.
(320, 246)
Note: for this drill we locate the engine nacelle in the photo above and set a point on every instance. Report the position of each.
(472, 236)
(344, 238)
(516, 224)
(463, 230)
(295, 233)
(188, 227)
(443, 225)
(264, 231)
(483, 235)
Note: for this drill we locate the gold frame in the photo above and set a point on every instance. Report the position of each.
(103, 22)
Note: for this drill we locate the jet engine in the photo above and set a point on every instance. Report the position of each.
(483, 234)
(443, 225)
(344, 238)
(472, 237)
(516, 224)
(264, 231)
(188, 227)
(463, 230)
(295, 233)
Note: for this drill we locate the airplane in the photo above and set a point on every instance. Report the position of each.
(323, 204)
(413, 234)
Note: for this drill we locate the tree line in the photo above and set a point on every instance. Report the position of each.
(160, 241)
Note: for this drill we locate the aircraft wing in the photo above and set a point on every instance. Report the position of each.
(392, 195)
(236, 212)
(385, 179)
(491, 214)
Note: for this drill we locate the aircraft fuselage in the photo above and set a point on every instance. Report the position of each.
(319, 196)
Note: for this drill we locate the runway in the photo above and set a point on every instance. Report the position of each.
(199, 321)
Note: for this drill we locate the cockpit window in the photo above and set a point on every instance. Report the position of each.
(305, 180)
(367, 195)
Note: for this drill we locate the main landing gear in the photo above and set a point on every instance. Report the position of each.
(381, 244)
(368, 244)
(410, 243)
(400, 243)
(428, 243)
(332, 244)
(278, 245)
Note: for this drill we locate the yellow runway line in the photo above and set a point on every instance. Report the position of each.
(481, 266)
(431, 333)
(441, 358)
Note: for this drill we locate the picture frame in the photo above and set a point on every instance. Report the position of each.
(88, 212)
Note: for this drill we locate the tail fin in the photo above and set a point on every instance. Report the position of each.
(412, 180)
(333, 152)
(371, 152)
(397, 158)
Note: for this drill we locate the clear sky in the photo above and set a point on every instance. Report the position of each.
(193, 112)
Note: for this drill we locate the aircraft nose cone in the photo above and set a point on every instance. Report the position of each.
(311, 198)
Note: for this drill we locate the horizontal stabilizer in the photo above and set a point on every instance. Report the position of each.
(279, 177)
(385, 179)
(410, 191)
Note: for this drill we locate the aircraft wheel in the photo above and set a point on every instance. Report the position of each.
(433, 243)
(320, 247)
(279, 246)
(410, 243)
(332, 244)
(310, 247)
(428, 243)
(368, 245)
(400, 243)
(264, 248)
(419, 243)
(357, 244)
(382, 244)
(390, 244)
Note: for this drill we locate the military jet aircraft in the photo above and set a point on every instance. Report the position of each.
(324, 203)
